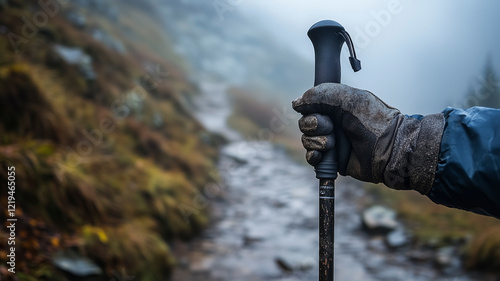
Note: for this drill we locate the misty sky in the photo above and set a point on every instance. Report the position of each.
(421, 58)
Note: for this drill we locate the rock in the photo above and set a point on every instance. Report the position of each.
(293, 263)
(75, 264)
(420, 255)
(375, 263)
(445, 256)
(248, 240)
(396, 238)
(278, 204)
(309, 223)
(377, 244)
(307, 264)
(77, 57)
(283, 264)
(254, 233)
(202, 264)
(77, 19)
(448, 260)
(108, 41)
(237, 154)
(379, 220)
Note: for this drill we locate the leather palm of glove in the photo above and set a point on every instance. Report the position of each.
(386, 146)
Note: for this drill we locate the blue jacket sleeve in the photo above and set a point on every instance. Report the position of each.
(468, 170)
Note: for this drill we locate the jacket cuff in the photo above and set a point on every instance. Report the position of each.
(414, 157)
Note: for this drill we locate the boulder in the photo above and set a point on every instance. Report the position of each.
(75, 264)
(396, 238)
(379, 220)
(75, 56)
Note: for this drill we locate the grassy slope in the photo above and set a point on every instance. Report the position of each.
(119, 203)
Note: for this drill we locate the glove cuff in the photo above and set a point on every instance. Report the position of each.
(413, 160)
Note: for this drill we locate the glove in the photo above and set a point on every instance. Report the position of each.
(386, 146)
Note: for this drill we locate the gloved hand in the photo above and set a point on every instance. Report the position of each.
(386, 146)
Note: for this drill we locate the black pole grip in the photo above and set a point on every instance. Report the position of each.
(327, 41)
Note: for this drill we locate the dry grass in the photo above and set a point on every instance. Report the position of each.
(252, 116)
(27, 112)
(483, 253)
(248, 107)
(429, 221)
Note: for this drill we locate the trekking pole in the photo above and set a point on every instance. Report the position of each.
(327, 38)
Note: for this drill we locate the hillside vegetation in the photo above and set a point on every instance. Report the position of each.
(108, 159)
(437, 226)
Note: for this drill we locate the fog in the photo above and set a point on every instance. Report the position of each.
(419, 56)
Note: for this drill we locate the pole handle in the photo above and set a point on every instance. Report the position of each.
(327, 38)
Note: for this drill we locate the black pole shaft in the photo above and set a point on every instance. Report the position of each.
(326, 229)
(327, 44)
